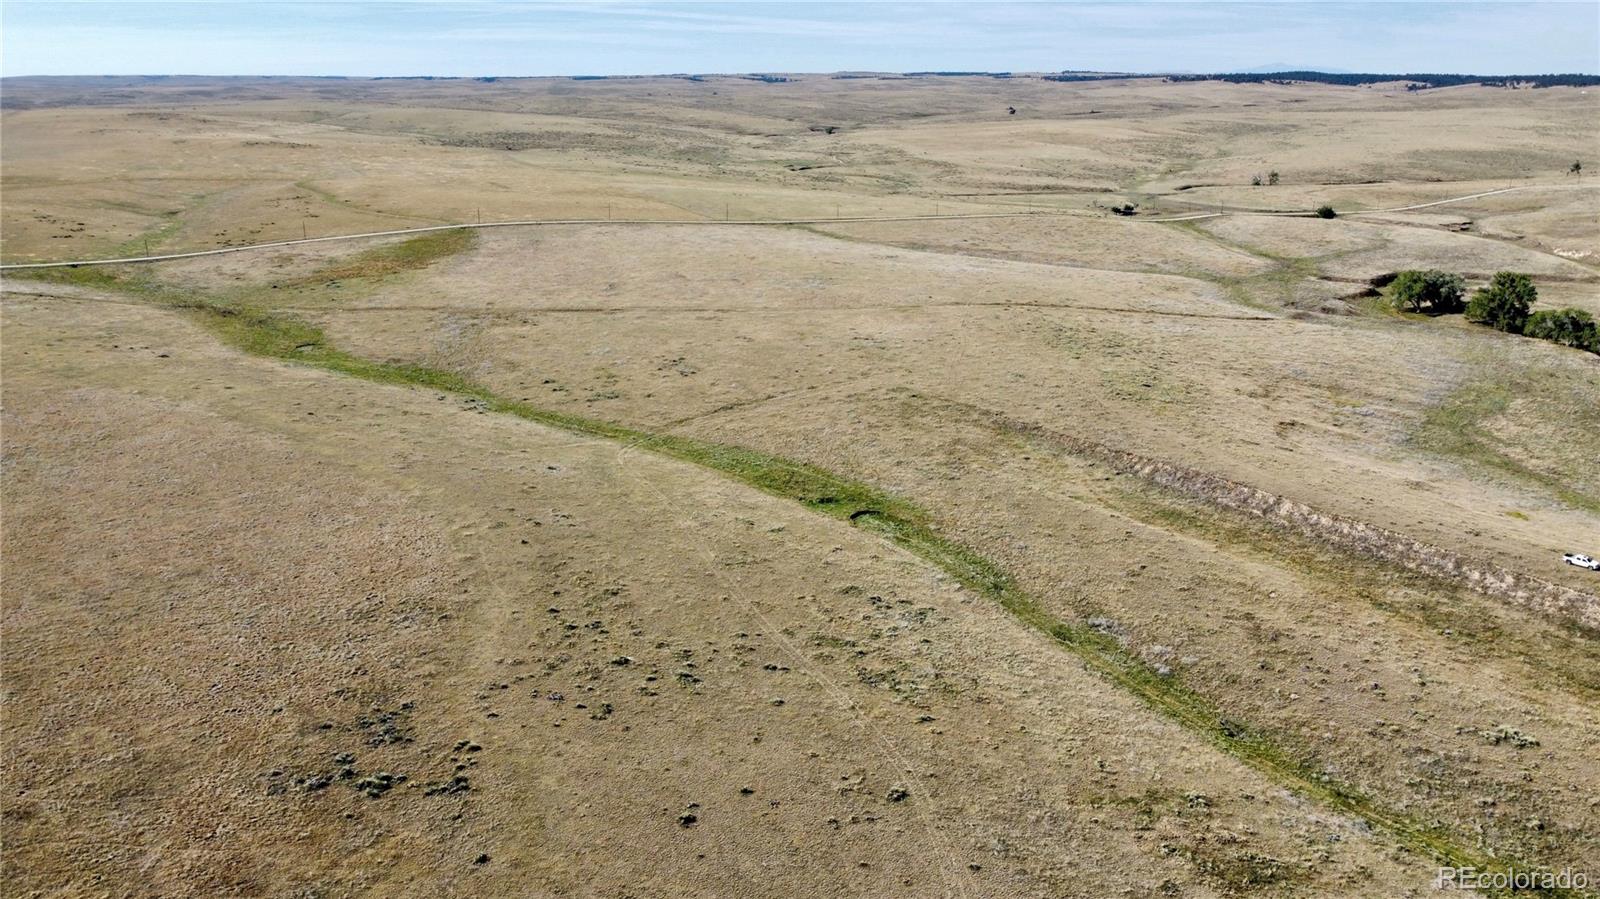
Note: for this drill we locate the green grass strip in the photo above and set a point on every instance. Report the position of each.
(391, 259)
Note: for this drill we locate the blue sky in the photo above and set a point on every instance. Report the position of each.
(479, 38)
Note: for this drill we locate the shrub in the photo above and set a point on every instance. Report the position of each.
(1570, 327)
(1326, 212)
(1272, 177)
(1503, 305)
(1429, 291)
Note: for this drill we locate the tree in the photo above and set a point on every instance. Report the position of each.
(1326, 212)
(1272, 177)
(1570, 327)
(1503, 305)
(1576, 168)
(1431, 291)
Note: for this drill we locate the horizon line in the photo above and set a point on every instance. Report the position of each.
(1106, 74)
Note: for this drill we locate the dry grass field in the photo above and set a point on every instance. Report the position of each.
(850, 505)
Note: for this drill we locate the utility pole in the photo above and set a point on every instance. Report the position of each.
(727, 212)
(303, 233)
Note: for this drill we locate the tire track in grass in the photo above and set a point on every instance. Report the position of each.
(273, 335)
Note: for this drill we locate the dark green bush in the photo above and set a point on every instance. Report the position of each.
(1503, 305)
(1326, 212)
(1571, 327)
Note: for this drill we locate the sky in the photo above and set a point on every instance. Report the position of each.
(124, 37)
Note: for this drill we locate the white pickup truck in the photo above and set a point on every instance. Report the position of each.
(1581, 560)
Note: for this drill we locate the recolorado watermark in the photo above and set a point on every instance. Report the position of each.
(1509, 880)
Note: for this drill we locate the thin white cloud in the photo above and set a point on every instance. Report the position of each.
(641, 37)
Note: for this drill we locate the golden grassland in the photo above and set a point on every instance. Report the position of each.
(776, 560)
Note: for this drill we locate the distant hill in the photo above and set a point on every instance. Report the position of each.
(1424, 81)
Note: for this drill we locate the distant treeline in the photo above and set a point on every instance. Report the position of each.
(1065, 76)
(1355, 79)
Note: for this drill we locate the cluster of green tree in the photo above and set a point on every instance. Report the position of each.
(1431, 291)
(1504, 305)
(1355, 79)
(958, 74)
